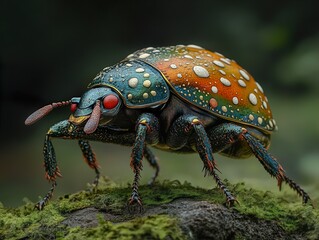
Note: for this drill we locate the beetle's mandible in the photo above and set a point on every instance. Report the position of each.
(179, 98)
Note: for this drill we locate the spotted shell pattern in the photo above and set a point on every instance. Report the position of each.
(138, 83)
(205, 79)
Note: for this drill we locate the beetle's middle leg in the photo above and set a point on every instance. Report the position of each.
(147, 131)
(90, 159)
(183, 129)
(152, 159)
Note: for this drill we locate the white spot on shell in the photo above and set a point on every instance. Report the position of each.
(235, 100)
(265, 104)
(224, 108)
(144, 55)
(129, 65)
(222, 72)
(153, 93)
(251, 117)
(225, 81)
(218, 63)
(130, 56)
(133, 82)
(241, 83)
(156, 51)
(179, 75)
(111, 79)
(166, 60)
(188, 56)
(244, 74)
(253, 99)
(271, 124)
(259, 87)
(260, 120)
(139, 70)
(225, 60)
(194, 46)
(201, 71)
(129, 96)
(147, 83)
(145, 95)
(173, 66)
(146, 75)
(214, 89)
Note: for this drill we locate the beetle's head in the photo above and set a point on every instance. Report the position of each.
(97, 106)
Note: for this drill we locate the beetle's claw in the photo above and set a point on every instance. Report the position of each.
(151, 182)
(230, 201)
(40, 205)
(135, 204)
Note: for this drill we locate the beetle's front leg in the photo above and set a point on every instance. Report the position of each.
(51, 169)
(147, 131)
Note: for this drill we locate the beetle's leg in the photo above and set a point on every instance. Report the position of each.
(90, 159)
(226, 134)
(185, 127)
(272, 166)
(152, 159)
(51, 169)
(147, 130)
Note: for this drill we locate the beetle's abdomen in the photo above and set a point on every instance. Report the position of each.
(211, 82)
(139, 84)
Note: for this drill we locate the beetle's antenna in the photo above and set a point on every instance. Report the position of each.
(94, 119)
(40, 113)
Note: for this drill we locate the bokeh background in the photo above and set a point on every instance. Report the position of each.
(51, 50)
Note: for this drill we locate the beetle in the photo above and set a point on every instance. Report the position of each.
(179, 98)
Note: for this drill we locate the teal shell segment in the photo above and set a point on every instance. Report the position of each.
(139, 84)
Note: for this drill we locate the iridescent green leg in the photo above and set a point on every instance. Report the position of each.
(146, 132)
(272, 166)
(226, 134)
(152, 159)
(51, 169)
(179, 135)
(67, 130)
(90, 159)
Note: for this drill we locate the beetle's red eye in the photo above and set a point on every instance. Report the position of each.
(73, 107)
(110, 102)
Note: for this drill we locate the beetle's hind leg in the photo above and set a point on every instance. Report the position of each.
(179, 135)
(224, 135)
(272, 166)
(90, 159)
(152, 159)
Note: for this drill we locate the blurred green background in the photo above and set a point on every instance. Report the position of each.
(51, 50)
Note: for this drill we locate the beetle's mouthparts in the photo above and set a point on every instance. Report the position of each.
(78, 120)
(93, 122)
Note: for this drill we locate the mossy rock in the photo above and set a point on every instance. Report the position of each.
(171, 211)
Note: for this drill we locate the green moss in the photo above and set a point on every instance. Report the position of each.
(26, 222)
(286, 210)
(151, 227)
